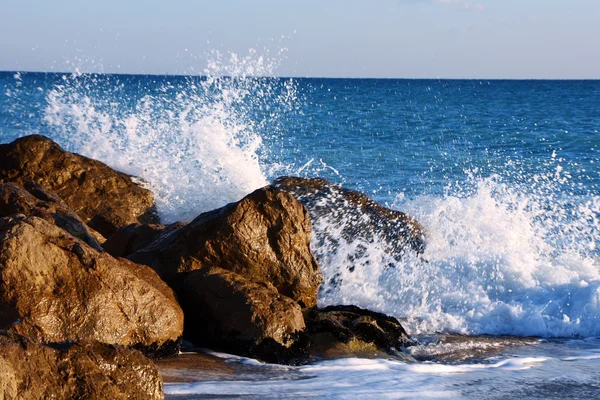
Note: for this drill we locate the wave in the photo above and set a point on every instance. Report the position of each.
(500, 260)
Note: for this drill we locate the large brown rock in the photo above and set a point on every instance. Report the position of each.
(351, 323)
(55, 288)
(89, 370)
(227, 311)
(33, 200)
(105, 199)
(265, 237)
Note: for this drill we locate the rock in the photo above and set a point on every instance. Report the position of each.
(327, 346)
(226, 311)
(96, 235)
(194, 367)
(351, 232)
(104, 199)
(348, 324)
(33, 200)
(264, 237)
(87, 370)
(358, 216)
(131, 238)
(55, 288)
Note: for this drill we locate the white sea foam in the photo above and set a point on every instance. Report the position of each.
(516, 364)
(499, 260)
(579, 358)
(193, 142)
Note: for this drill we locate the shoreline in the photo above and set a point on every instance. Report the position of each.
(517, 368)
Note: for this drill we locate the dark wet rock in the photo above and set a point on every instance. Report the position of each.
(264, 237)
(55, 288)
(131, 238)
(358, 216)
(356, 326)
(33, 200)
(228, 312)
(104, 199)
(194, 367)
(87, 370)
(157, 351)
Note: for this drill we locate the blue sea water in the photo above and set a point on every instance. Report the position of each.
(504, 175)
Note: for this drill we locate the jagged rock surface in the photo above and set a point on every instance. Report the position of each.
(104, 199)
(229, 312)
(347, 323)
(33, 200)
(55, 288)
(264, 237)
(88, 370)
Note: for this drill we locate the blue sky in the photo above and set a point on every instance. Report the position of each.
(333, 38)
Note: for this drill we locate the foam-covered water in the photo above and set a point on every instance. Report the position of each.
(502, 174)
(499, 260)
(516, 374)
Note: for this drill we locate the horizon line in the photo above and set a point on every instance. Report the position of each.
(294, 77)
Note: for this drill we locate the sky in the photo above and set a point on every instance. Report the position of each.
(541, 39)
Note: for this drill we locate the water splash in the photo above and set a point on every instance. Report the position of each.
(501, 258)
(195, 141)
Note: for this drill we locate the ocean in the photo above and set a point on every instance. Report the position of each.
(504, 175)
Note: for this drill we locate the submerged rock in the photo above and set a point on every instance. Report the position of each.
(131, 238)
(33, 200)
(355, 215)
(104, 199)
(264, 237)
(227, 311)
(351, 324)
(55, 288)
(87, 370)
